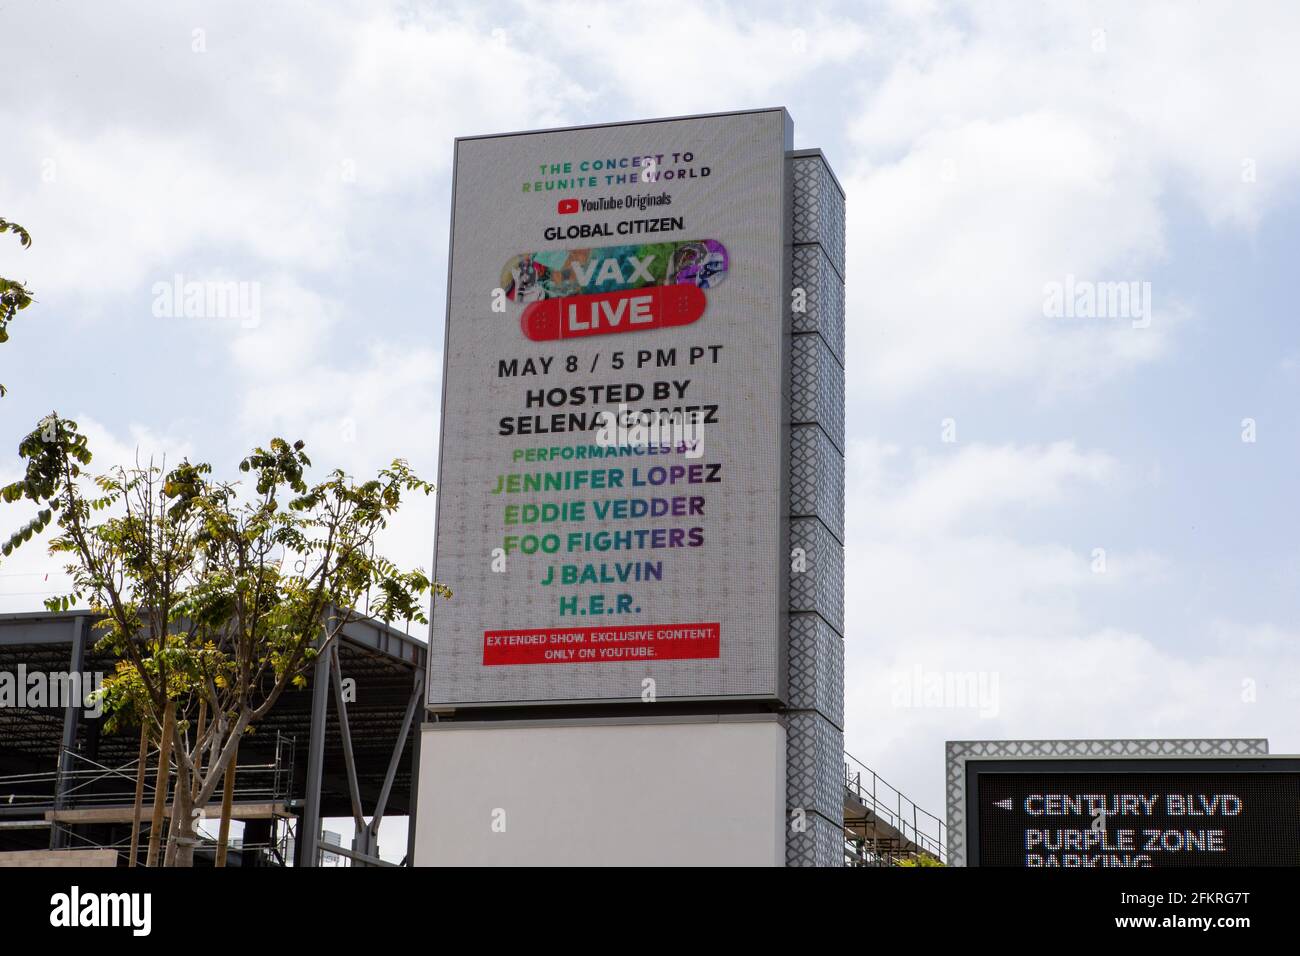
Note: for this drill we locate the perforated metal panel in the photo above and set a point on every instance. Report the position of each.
(815, 707)
(816, 478)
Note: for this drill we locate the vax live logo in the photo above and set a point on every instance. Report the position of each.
(571, 293)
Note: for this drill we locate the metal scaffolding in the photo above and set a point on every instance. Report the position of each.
(882, 827)
(95, 804)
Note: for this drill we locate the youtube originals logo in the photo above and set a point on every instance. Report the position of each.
(566, 207)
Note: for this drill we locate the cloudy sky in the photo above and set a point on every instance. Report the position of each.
(1096, 514)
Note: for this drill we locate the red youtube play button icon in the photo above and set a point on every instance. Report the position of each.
(566, 206)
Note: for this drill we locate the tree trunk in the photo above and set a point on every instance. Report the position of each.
(182, 832)
(227, 798)
(173, 829)
(139, 793)
(162, 782)
(218, 766)
(184, 835)
(198, 740)
(196, 791)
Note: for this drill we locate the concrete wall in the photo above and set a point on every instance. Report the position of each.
(687, 792)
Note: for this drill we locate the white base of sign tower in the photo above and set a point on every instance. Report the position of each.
(689, 791)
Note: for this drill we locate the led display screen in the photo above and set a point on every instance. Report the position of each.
(1154, 814)
(611, 473)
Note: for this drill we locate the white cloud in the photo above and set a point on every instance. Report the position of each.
(730, 58)
(357, 411)
(1151, 78)
(995, 157)
(930, 547)
(952, 246)
(274, 151)
(1104, 683)
(1032, 143)
(291, 334)
(932, 590)
(357, 415)
(981, 478)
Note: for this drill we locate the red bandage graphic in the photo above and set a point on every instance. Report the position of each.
(631, 310)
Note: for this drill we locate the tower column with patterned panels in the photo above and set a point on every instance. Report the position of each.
(815, 711)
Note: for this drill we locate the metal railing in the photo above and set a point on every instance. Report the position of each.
(86, 782)
(920, 833)
(83, 782)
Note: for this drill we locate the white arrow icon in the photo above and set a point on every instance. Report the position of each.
(1004, 804)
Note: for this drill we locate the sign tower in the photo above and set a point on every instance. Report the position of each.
(640, 501)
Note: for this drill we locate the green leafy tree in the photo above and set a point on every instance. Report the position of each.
(14, 296)
(216, 597)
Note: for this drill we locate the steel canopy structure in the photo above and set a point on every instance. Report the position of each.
(65, 782)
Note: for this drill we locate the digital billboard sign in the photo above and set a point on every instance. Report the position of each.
(612, 468)
(1136, 813)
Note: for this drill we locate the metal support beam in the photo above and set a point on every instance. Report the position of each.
(71, 717)
(417, 691)
(354, 789)
(308, 844)
(357, 857)
(366, 846)
(412, 801)
(328, 671)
